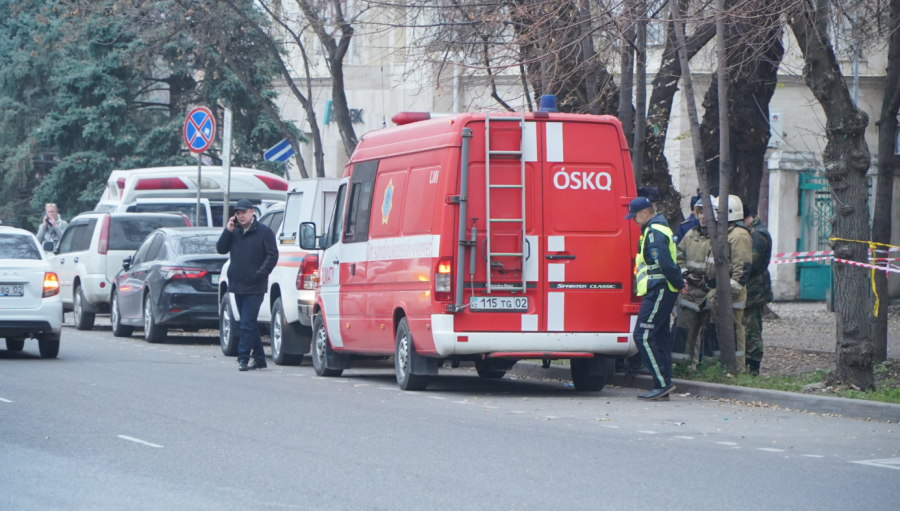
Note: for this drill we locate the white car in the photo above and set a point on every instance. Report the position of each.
(90, 253)
(292, 285)
(30, 305)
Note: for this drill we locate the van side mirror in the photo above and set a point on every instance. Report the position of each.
(126, 263)
(308, 239)
(48, 246)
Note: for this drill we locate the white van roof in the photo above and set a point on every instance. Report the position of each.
(174, 182)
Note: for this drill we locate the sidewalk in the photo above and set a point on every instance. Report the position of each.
(808, 326)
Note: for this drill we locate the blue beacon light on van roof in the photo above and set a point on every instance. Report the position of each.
(548, 103)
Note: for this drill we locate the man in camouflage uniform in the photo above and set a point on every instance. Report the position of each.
(693, 258)
(740, 252)
(759, 289)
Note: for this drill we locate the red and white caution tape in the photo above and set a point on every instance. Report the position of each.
(792, 261)
(871, 266)
(804, 254)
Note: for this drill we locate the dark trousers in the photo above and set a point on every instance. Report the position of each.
(651, 334)
(248, 305)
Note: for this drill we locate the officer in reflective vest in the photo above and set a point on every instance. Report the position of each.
(658, 282)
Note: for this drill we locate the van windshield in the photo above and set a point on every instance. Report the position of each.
(128, 233)
(186, 209)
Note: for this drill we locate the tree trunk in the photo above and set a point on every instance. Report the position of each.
(587, 53)
(665, 85)
(881, 222)
(626, 86)
(846, 158)
(640, 97)
(754, 53)
(725, 326)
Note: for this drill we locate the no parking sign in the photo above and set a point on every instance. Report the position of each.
(199, 129)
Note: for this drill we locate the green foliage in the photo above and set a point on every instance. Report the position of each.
(86, 88)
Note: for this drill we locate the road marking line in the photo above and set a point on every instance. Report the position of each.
(648, 432)
(893, 463)
(685, 437)
(436, 397)
(5, 400)
(610, 426)
(461, 402)
(516, 411)
(813, 455)
(138, 440)
(488, 406)
(769, 449)
(725, 443)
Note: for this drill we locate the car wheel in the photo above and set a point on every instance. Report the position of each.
(83, 320)
(48, 345)
(321, 349)
(15, 344)
(118, 329)
(153, 332)
(283, 334)
(404, 351)
(229, 329)
(590, 374)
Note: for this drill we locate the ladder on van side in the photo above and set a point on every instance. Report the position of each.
(487, 198)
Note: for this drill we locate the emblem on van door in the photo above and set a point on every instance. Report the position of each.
(387, 202)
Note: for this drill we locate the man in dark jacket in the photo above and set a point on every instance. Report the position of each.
(658, 281)
(688, 224)
(759, 289)
(253, 257)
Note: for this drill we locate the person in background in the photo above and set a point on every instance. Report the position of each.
(651, 193)
(740, 252)
(658, 281)
(759, 289)
(52, 226)
(688, 224)
(254, 254)
(693, 254)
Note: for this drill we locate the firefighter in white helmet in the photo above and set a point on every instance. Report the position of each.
(739, 251)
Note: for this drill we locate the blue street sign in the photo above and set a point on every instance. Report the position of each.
(282, 151)
(199, 129)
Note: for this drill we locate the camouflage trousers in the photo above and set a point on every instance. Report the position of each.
(753, 325)
(686, 345)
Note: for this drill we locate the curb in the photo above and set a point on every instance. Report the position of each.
(845, 407)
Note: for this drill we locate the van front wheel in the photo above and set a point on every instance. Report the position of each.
(321, 349)
(403, 355)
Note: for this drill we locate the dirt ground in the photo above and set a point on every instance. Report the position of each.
(807, 325)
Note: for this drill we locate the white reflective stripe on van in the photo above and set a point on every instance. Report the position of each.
(554, 141)
(556, 243)
(529, 142)
(556, 272)
(331, 302)
(529, 322)
(531, 263)
(406, 247)
(556, 312)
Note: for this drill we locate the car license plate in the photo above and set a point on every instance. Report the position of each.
(499, 304)
(215, 279)
(12, 290)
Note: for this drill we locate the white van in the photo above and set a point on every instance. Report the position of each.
(174, 189)
(292, 284)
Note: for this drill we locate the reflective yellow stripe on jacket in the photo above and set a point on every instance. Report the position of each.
(645, 272)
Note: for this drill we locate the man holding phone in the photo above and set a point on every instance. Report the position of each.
(52, 226)
(254, 253)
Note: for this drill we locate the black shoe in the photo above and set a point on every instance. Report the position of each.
(257, 364)
(753, 366)
(242, 365)
(657, 394)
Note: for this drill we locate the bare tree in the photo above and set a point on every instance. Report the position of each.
(887, 132)
(846, 158)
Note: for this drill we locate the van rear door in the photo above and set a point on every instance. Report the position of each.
(586, 252)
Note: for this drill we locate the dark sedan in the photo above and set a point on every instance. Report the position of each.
(170, 282)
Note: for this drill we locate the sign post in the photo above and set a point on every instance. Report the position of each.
(226, 164)
(199, 132)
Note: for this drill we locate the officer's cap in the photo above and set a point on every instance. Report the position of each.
(636, 205)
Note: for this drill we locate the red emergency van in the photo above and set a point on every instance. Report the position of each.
(484, 237)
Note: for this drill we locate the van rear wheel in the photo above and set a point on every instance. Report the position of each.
(15, 344)
(591, 374)
(322, 349)
(403, 354)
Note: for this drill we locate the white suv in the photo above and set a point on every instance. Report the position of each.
(292, 284)
(29, 294)
(90, 253)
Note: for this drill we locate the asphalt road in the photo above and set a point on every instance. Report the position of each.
(119, 424)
